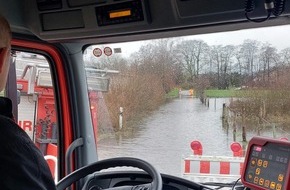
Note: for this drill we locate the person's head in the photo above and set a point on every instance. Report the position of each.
(5, 48)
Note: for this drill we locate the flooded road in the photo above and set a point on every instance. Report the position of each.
(164, 137)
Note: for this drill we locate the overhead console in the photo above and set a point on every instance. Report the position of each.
(267, 164)
(74, 19)
(191, 8)
(127, 12)
(103, 14)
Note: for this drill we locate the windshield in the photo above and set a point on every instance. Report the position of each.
(187, 104)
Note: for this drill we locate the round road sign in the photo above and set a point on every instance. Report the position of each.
(97, 52)
(108, 51)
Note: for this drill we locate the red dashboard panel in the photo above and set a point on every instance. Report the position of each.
(267, 164)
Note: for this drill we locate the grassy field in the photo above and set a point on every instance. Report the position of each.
(247, 93)
(173, 93)
(214, 93)
(221, 93)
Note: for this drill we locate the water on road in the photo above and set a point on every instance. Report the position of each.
(164, 137)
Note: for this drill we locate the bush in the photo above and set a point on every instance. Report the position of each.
(272, 106)
(138, 95)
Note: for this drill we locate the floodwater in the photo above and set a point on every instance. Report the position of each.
(164, 137)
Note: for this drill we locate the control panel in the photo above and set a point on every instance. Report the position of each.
(124, 12)
(267, 164)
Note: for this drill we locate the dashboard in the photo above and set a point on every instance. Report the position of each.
(267, 164)
(135, 178)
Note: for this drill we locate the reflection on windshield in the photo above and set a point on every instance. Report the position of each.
(163, 94)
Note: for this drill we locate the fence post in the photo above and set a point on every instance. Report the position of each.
(224, 111)
(235, 130)
(274, 131)
(121, 117)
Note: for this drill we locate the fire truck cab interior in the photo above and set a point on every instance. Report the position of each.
(61, 30)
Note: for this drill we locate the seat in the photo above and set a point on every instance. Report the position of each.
(51, 159)
(53, 168)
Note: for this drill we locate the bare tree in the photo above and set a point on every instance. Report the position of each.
(249, 50)
(165, 64)
(157, 58)
(268, 57)
(285, 56)
(215, 54)
(239, 58)
(227, 55)
(192, 54)
(222, 57)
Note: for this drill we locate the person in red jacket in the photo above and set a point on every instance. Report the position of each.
(22, 165)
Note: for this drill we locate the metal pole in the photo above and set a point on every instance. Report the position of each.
(121, 118)
(274, 130)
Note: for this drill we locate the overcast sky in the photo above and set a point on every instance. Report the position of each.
(278, 36)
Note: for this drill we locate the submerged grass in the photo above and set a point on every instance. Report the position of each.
(173, 93)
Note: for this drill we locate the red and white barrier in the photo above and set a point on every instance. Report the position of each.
(217, 168)
(222, 169)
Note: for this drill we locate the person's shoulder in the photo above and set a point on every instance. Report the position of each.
(6, 107)
(10, 130)
(6, 121)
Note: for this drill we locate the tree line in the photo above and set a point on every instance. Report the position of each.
(195, 64)
(161, 65)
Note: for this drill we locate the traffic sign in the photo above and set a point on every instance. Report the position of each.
(117, 50)
(97, 52)
(108, 51)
